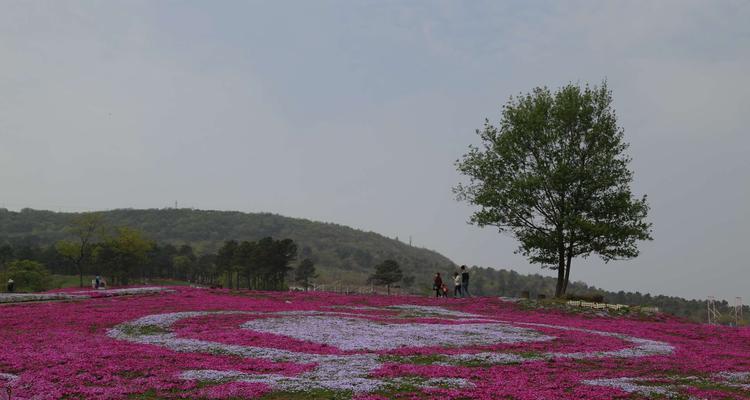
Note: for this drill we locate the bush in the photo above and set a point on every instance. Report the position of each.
(28, 276)
(592, 298)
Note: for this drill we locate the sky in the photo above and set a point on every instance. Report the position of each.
(355, 112)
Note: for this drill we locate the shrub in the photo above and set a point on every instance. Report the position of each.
(28, 275)
(592, 298)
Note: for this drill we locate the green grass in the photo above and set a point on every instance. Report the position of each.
(313, 394)
(418, 360)
(148, 395)
(71, 281)
(55, 282)
(141, 330)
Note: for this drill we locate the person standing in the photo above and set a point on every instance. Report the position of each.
(456, 285)
(437, 284)
(98, 280)
(464, 282)
(11, 285)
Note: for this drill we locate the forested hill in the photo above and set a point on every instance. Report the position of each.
(340, 252)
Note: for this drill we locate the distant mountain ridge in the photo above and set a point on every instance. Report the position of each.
(340, 252)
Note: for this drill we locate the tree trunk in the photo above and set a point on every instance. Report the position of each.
(567, 270)
(80, 274)
(560, 272)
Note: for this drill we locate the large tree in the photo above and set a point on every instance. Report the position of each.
(225, 261)
(276, 255)
(246, 257)
(86, 228)
(264, 263)
(305, 272)
(123, 256)
(554, 173)
(386, 273)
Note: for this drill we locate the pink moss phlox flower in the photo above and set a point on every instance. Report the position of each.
(243, 345)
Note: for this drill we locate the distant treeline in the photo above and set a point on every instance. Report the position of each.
(127, 257)
(268, 264)
(158, 244)
(340, 253)
(491, 282)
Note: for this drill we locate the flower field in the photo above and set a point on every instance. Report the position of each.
(215, 344)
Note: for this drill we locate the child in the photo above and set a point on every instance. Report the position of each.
(444, 289)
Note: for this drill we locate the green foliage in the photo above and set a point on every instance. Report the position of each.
(28, 276)
(122, 256)
(305, 272)
(386, 273)
(265, 263)
(554, 173)
(225, 260)
(311, 394)
(68, 281)
(67, 248)
(341, 254)
(408, 281)
(6, 254)
(85, 228)
(508, 283)
(182, 265)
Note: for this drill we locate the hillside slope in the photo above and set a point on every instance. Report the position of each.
(194, 343)
(340, 252)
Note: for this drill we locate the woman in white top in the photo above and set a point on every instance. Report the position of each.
(457, 284)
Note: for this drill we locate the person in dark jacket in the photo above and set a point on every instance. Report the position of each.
(437, 284)
(464, 282)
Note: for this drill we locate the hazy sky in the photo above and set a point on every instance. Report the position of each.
(355, 112)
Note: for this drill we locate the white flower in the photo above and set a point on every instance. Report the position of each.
(8, 377)
(81, 294)
(361, 334)
(351, 331)
(628, 385)
(23, 297)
